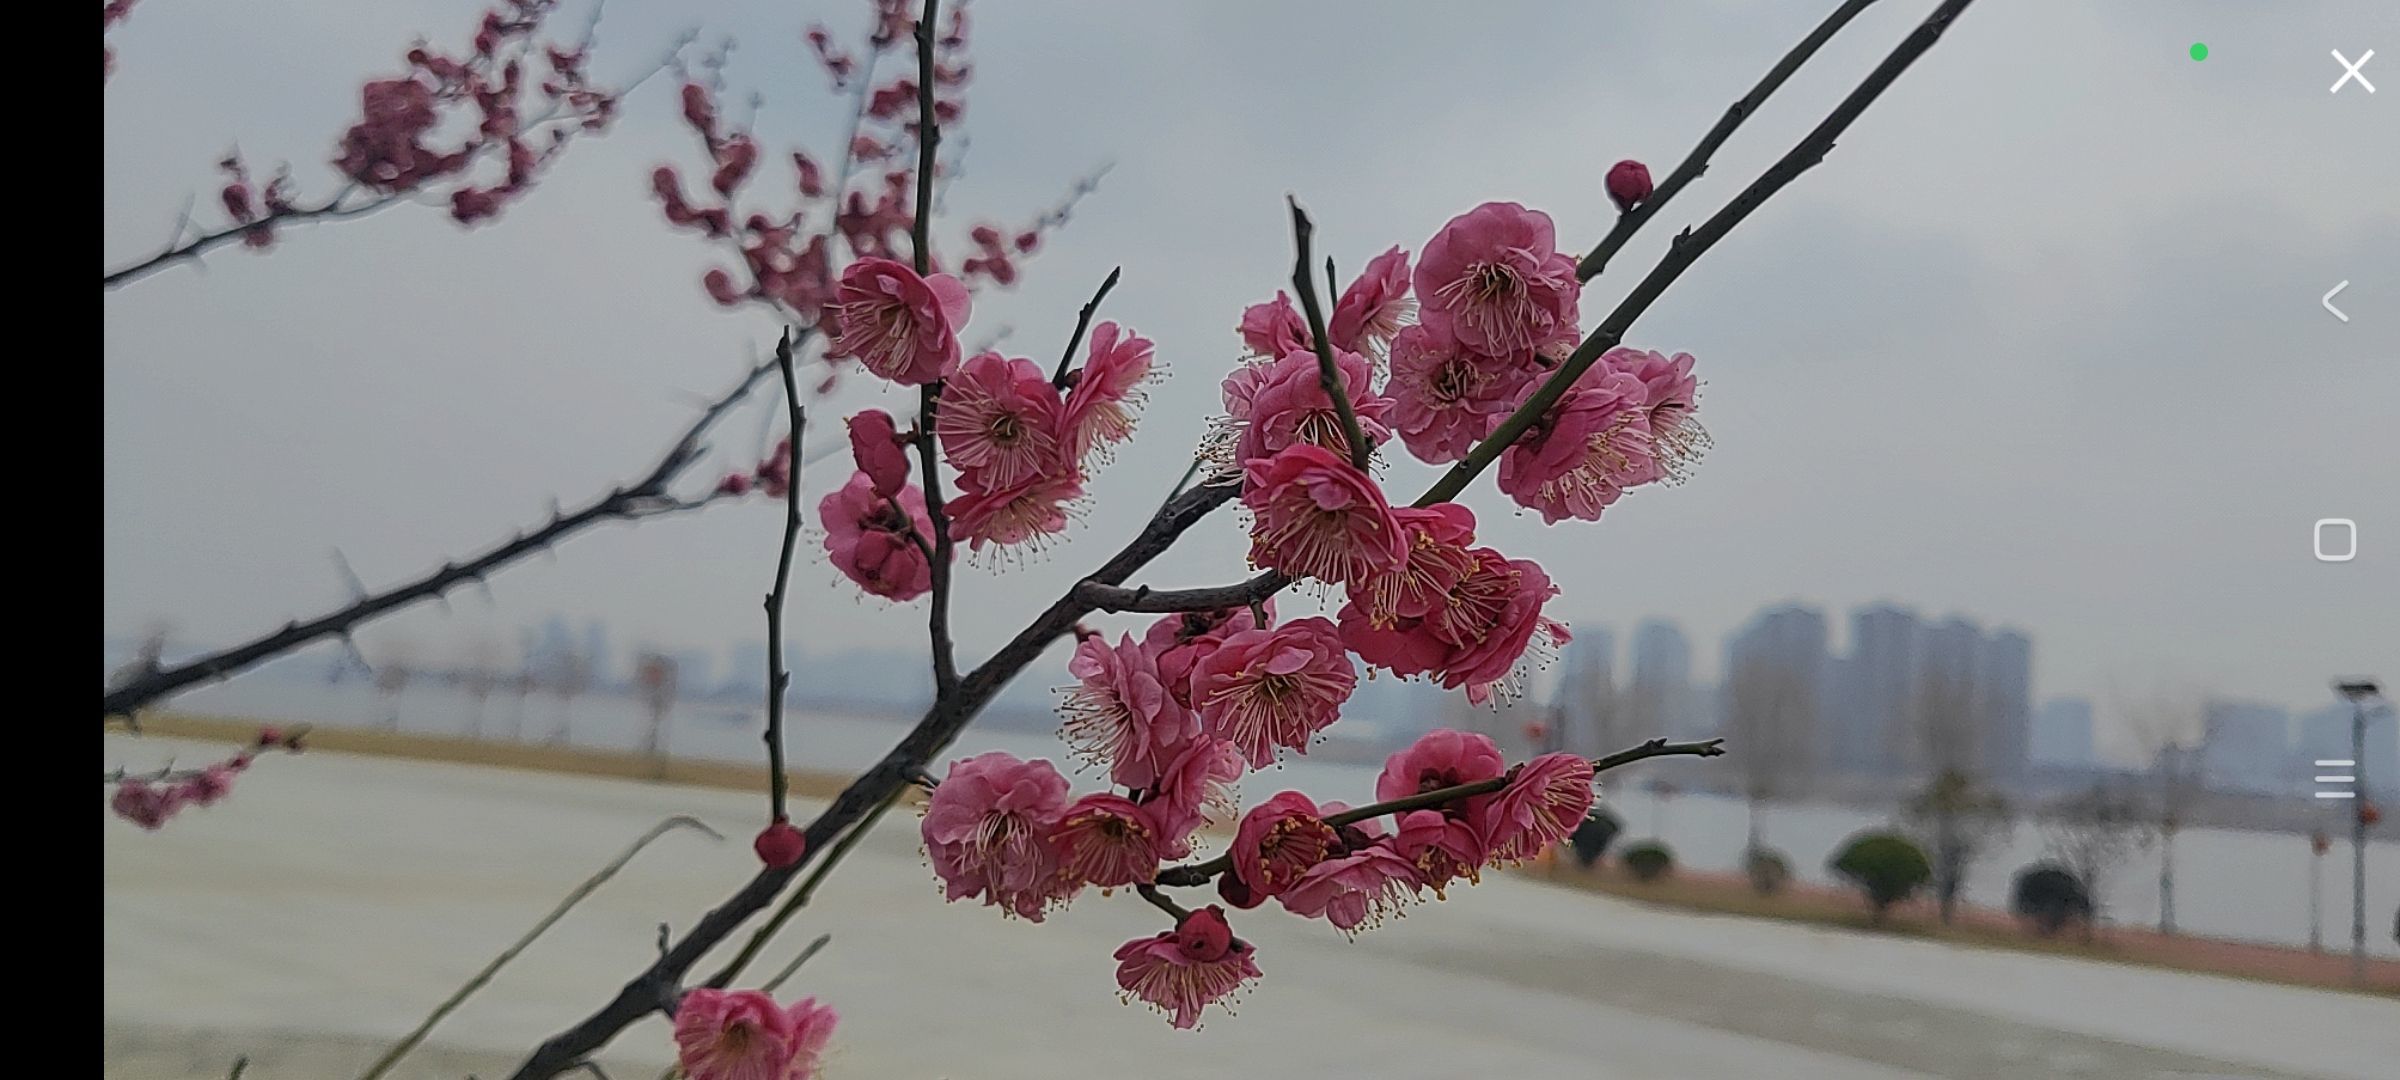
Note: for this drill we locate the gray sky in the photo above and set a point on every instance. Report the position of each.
(2039, 343)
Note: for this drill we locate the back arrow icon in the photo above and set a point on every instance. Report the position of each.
(2328, 301)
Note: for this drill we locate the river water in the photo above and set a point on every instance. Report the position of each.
(2244, 885)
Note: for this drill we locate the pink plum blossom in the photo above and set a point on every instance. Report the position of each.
(1542, 805)
(1181, 640)
(1437, 539)
(1445, 398)
(1583, 453)
(1628, 184)
(1195, 788)
(1278, 841)
(745, 1035)
(1494, 280)
(1288, 406)
(899, 325)
(1318, 516)
(868, 537)
(1275, 327)
(1671, 399)
(1028, 511)
(1263, 689)
(145, 804)
(1107, 840)
(1107, 392)
(1002, 422)
(1354, 889)
(1182, 971)
(988, 827)
(1374, 307)
(1119, 714)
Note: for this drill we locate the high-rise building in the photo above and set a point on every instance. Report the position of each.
(1875, 722)
(2004, 693)
(2247, 746)
(1776, 692)
(2062, 733)
(1587, 695)
(1949, 728)
(1658, 698)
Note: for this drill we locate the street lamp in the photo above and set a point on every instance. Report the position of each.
(2363, 696)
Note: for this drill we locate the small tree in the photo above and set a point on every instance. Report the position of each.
(2050, 896)
(1886, 866)
(2091, 834)
(655, 672)
(1768, 870)
(1649, 860)
(1591, 839)
(1959, 821)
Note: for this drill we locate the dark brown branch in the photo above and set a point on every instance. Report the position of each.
(1696, 163)
(1692, 244)
(779, 678)
(1083, 322)
(799, 899)
(1199, 873)
(1111, 598)
(929, 138)
(948, 716)
(643, 498)
(1329, 374)
(180, 250)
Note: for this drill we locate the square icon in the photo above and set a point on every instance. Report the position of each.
(2339, 527)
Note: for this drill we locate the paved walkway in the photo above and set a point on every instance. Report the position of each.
(332, 900)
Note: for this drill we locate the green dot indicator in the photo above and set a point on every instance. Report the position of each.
(2199, 50)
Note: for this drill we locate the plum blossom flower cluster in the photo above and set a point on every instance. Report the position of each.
(512, 97)
(748, 1035)
(1439, 355)
(861, 195)
(151, 800)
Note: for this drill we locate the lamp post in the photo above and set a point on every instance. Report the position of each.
(2361, 693)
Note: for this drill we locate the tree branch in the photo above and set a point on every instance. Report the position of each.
(933, 733)
(329, 210)
(1329, 375)
(1696, 163)
(1199, 873)
(779, 678)
(929, 139)
(646, 497)
(1112, 599)
(1690, 245)
(1083, 322)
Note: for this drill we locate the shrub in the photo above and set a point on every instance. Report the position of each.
(1649, 860)
(2050, 896)
(1885, 866)
(1769, 871)
(1591, 839)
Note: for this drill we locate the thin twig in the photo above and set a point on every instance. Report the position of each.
(1147, 600)
(330, 210)
(644, 498)
(759, 939)
(1696, 162)
(1083, 322)
(1329, 374)
(591, 884)
(814, 947)
(779, 678)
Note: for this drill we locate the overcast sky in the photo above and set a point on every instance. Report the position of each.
(2039, 343)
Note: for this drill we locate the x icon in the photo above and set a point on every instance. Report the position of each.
(2350, 71)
